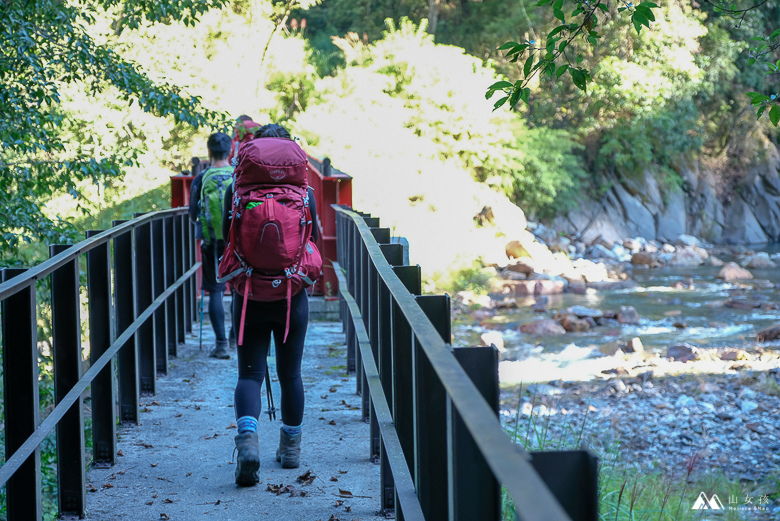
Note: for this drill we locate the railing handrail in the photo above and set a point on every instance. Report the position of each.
(139, 311)
(509, 463)
(48, 266)
(13, 463)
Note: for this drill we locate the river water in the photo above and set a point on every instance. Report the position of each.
(661, 305)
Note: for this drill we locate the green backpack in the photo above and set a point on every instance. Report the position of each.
(212, 196)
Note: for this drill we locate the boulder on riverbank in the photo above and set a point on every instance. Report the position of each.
(687, 257)
(682, 352)
(759, 261)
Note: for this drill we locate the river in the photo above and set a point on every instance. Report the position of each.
(665, 300)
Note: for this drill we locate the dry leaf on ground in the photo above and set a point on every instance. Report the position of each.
(306, 478)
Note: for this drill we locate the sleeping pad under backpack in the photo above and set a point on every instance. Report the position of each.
(269, 254)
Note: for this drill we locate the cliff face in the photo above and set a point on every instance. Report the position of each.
(747, 214)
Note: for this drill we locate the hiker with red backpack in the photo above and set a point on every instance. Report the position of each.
(270, 260)
(207, 195)
(243, 132)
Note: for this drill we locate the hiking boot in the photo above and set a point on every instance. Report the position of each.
(220, 350)
(289, 451)
(248, 460)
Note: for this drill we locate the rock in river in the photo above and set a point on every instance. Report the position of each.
(582, 312)
(769, 333)
(732, 271)
(544, 327)
(628, 315)
(571, 323)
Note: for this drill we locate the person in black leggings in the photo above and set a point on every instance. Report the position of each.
(264, 319)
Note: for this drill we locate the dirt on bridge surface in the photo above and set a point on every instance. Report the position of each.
(179, 463)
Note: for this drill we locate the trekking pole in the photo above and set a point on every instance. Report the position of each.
(202, 296)
(271, 412)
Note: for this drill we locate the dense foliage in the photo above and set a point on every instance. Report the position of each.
(640, 87)
(46, 47)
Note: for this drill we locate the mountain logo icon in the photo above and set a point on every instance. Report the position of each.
(704, 503)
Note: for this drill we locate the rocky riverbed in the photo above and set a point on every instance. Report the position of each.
(665, 355)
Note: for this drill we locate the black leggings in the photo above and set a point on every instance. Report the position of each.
(263, 319)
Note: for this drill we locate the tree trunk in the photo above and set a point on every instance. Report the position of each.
(433, 15)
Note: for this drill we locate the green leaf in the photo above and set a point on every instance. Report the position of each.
(578, 77)
(563, 68)
(515, 96)
(557, 30)
(603, 8)
(559, 15)
(527, 67)
(524, 96)
(760, 111)
(563, 45)
(543, 2)
(647, 4)
(508, 45)
(774, 114)
(500, 103)
(500, 85)
(646, 12)
(775, 34)
(751, 61)
(638, 19)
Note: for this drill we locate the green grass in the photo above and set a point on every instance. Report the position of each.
(628, 492)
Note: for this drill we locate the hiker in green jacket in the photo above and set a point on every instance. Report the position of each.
(206, 201)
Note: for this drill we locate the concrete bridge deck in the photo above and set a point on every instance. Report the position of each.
(179, 463)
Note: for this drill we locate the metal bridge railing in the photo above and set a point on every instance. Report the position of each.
(134, 326)
(442, 451)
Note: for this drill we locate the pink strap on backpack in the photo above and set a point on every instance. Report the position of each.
(304, 240)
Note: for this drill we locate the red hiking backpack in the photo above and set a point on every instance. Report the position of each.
(269, 255)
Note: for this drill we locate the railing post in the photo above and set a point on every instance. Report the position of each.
(385, 368)
(193, 280)
(363, 302)
(20, 380)
(66, 345)
(186, 264)
(373, 336)
(474, 492)
(170, 277)
(178, 270)
(144, 278)
(158, 287)
(127, 357)
(350, 252)
(356, 269)
(431, 410)
(101, 336)
(404, 405)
